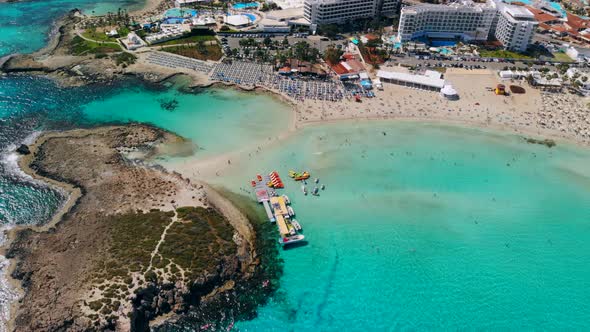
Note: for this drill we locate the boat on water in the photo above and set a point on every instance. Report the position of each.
(292, 230)
(296, 224)
(315, 191)
(304, 189)
(291, 239)
(291, 211)
(323, 187)
(287, 200)
(299, 176)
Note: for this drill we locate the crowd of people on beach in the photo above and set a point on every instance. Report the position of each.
(566, 113)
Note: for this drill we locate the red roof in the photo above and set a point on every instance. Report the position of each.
(371, 36)
(541, 16)
(576, 22)
(339, 69)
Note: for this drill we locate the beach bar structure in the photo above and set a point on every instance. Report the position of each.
(425, 82)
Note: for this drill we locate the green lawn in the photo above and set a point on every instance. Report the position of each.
(99, 36)
(561, 57)
(188, 39)
(503, 54)
(79, 46)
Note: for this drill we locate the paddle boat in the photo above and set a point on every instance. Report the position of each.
(287, 200)
(296, 224)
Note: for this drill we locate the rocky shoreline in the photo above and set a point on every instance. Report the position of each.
(141, 247)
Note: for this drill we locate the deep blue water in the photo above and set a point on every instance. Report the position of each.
(25, 25)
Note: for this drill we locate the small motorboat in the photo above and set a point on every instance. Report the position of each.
(287, 200)
(315, 191)
(253, 183)
(317, 180)
(259, 177)
(291, 239)
(323, 187)
(304, 189)
(296, 224)
(292, 230)
(291, 211)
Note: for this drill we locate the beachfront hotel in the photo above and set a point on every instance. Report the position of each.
(516, 27)
(341, 11)
(470, 22)
(466, 20)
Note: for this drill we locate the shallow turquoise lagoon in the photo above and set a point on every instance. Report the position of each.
(25, 25)
(427, 227)
(217, 120)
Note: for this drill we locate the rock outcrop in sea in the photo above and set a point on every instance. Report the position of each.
(140, 247)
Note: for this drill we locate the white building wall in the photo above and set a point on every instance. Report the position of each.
(515, 33)
(466, 20)
(340, 11)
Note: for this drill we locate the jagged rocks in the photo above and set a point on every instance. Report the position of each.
(23, 149)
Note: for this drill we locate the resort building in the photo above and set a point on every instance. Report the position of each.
(431, 80)
(341, 11)
(189, 3)
(132, 41)
(466, 20)
(516, 27)
(273, 26)
(469, 21)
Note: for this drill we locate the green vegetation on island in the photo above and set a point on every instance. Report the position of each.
(80, 46)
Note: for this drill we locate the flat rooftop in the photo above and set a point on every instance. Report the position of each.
(411, 78)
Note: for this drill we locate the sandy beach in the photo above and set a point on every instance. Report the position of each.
(477, 106)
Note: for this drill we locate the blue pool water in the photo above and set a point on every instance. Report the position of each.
(445, 51)
(174, 20)
(245, 5)
(251, 17)
(557, 6)
(178, 12)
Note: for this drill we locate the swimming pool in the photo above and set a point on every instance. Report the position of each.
(176, 20)
(242, 5)
(251, 17)
(445, 51)
(178, 12)
(557, 6)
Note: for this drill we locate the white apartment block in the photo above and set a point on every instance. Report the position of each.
(341, 11)
(516, 27)
(469, 21)
(465, 20)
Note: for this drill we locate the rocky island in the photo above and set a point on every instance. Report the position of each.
(137, 244)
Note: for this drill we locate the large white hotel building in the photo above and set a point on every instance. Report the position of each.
(341, 11)
(469, 21)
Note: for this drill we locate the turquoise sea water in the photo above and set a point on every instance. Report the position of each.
(25, 25)
(430, 227)
(421, 227)
(217, 121)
